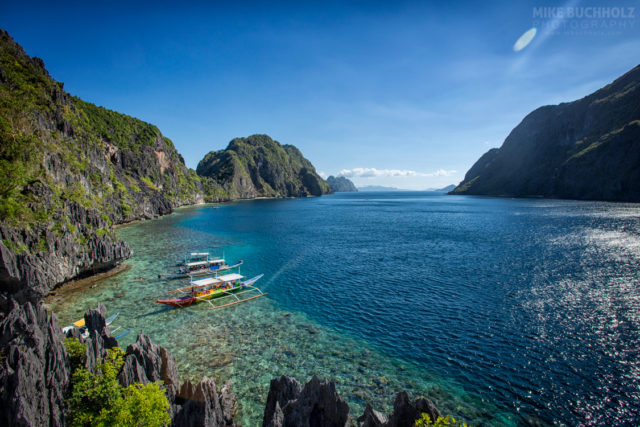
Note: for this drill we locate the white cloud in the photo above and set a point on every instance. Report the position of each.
(323, 175)
(373, 173)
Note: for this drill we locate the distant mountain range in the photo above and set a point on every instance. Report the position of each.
(442, 190)
(378, 188)
(383, 188)
(587, 149)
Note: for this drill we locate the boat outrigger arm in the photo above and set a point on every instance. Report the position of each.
(247, 284)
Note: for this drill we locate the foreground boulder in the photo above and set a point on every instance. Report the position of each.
(318, 404)
(405, 412)
(147, 362)
(202, 405)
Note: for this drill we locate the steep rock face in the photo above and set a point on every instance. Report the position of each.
(70, 171)
(586, 149)
(258, 166)
(341, 184)
(34, 366)
(30, 274)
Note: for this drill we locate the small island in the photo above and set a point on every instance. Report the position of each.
(341, 184)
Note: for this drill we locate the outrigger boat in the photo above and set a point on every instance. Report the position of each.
(194, 257)
(202, 267)
(228, 285)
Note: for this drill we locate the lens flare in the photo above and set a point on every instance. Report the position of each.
(525, 39)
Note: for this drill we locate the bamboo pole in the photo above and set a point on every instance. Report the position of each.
(238, 302)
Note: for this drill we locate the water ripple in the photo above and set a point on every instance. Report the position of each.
(502, 311)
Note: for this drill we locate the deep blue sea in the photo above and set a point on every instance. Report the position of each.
(502, 311)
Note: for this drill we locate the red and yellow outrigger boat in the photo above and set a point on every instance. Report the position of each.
(228, 285)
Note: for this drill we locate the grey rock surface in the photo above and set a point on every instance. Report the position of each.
(34, 367)
(317, 404)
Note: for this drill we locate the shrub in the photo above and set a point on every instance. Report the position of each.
(448, 421)
(99, 399)
(149, 183)
(76, 351)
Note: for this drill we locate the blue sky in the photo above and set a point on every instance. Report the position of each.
(405, 94)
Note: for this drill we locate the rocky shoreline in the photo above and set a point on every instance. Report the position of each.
(35, 377)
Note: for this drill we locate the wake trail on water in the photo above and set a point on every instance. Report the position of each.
(288, 266)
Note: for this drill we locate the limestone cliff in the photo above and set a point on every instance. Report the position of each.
(341, 184)
(70, 170)
(587, 149)
(258, 166)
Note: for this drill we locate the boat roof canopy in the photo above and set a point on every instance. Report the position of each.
(192, 264)
(206, 281)
(230, 277)
(211, 261)
(199, 254)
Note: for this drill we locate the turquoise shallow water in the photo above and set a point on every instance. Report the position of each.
(502, 311)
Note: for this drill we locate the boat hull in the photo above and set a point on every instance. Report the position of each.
(209, 294)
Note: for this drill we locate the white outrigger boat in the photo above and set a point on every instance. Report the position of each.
(199, 264)
(194, 257)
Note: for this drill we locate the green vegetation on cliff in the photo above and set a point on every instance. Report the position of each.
(98, 399)
(258, 166)
(586, 149)
(62, 157)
